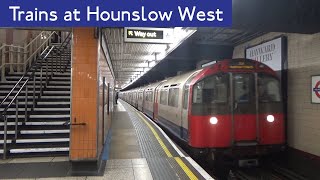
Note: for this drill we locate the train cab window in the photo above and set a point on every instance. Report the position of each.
(243, 87)
(211, 90)
(163, 96)
(268, 88)
(173, 97)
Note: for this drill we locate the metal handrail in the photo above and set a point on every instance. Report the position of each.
(20, 80)
(28, 53)
(66, 40)
(38, 36)
(34, 53)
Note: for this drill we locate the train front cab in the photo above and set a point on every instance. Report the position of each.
(237, 112)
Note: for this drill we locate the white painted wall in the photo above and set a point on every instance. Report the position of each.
(303, 61)
(2, 36)
(19, 36)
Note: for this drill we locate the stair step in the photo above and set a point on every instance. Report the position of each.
(37, 74)
(35, 123)
(53, 103)
(42, 116)
(56, 92)
(37, 150)
(42, 140)
(62, 131)
(44, 131)
(9, 141)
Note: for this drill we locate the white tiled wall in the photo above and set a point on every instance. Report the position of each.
(303, 61)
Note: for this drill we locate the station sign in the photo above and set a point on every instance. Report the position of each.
(315, 89)
(148, 35)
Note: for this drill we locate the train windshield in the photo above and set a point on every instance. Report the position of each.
(269, 89)
(211, 90)
(243, 88)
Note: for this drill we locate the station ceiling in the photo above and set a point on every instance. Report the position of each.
(207, 44)
(251, 18)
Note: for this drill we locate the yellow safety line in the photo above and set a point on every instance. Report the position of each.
(183, 166)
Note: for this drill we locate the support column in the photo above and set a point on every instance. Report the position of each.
(84, 121)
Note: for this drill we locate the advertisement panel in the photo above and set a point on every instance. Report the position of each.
(269, 53)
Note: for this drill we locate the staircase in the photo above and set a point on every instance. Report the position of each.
(45, 131)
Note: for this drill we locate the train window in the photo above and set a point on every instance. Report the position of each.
(212, 89)
(151, 96)
(185, 97)
(146, 96)
(173, 97)
(268, 89)
(163, 96)
(243, 87)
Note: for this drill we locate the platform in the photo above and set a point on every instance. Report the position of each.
(136, 149)
(139, 149)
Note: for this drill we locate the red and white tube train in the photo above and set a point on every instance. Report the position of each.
(232, 107)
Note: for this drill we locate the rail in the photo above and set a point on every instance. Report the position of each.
(32, 77)
(19, 58)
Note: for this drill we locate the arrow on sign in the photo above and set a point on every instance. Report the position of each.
(130, 33)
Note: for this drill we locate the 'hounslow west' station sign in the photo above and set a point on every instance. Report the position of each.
(148, 35)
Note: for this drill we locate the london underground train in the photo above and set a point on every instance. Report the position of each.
(233, 107)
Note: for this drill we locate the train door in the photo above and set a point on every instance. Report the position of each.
(244, 109)
(156, 104)
(184, 112)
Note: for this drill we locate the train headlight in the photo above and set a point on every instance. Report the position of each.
(213, 120)
(270, 118)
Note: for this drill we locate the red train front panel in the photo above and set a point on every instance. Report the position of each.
(235, 103)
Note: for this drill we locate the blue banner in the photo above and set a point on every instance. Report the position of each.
(115, 13)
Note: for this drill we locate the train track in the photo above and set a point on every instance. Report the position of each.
(273, 172)
(268, 171)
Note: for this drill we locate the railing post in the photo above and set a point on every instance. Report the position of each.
(26, 105)
(19, 60)
(41, 82)
(61, 62)
(25, 57)
(38, 46)
(5, 137)
(46, 72)
(56, 59)
(3, 62)
(34, 91)
(51, 67)
(11, 57)
(30, 53)
(17, 116)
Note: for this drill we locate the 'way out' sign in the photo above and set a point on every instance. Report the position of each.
(148, 35)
